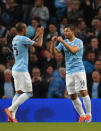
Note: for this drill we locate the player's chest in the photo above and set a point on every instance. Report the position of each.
(69, 43)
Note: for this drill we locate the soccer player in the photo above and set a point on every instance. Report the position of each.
(75, 71)
(22, 79)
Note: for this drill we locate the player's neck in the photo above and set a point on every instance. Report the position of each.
(72, 38)
(20, 33)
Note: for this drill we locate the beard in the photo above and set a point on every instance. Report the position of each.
(68, 37)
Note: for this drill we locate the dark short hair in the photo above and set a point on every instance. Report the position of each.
(52, 23)
(20, 26)
(36, 19)
(71, 26)
(97, 18)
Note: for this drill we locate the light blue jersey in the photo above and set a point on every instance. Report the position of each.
(20, 49)
(73, 62)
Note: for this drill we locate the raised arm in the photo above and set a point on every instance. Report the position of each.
(37, 33)
(39, 37)
(67, 46)
(53, 50)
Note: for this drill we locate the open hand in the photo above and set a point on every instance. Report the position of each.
(39, 32)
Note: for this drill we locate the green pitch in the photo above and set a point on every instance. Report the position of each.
(50, 127)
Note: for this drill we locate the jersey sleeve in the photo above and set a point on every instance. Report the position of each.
(59, 47)
(27, 41)
(79, 44)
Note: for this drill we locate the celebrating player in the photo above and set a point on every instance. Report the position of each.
(75, 71)
(22, 80)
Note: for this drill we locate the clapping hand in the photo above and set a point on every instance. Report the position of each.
(39, 31)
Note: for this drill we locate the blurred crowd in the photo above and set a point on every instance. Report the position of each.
(48, 71)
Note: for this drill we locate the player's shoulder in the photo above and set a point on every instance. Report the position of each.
(25, 38)
(16, 38)
(66, 40)
(79, 40)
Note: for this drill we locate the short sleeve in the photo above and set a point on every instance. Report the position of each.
(59, 47)
(27, 41)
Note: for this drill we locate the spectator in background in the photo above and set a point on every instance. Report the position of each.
(81, 27)
(89, 35)
(34, 61)
(12, 13)
(99, 13)
(10, 35)
(69, 4)
(94, 44)
(89, 64)
(26, 7)
(3, 42)
(35, 22)
(63, 23)
(10, 62)
(8, 84)
(48, 44)
(58, 85)
(88, 11)
(40, 11)
(99, 55)
(96, 23)
(60, 6)
(36, 75)
(52, 10)
(94, 87)
(40, 87)
(75, 12)
(47, 59)
(98, 65)
(59, 60)
(47, 76)
(3, 55)
(52, 31)
(2, 67)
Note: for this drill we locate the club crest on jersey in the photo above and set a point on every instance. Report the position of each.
(72, 45)
(79, 43)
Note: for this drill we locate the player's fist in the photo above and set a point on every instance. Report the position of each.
(60, 39)
(42, 28)
(54, 38)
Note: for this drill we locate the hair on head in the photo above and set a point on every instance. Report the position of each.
(71, 26)
(20, 26)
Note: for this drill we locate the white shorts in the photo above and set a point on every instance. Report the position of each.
(76, 82)
(22, 81)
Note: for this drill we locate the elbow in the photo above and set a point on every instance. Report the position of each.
(40, 45)
(72, 51)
